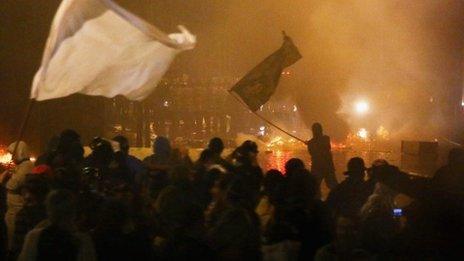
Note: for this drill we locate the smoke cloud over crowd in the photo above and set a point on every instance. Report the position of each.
(404, 57)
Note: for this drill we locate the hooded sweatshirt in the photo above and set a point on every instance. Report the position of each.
(14, 200)
(23, 167)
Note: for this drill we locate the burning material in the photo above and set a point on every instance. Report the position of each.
(281, 143)
(363, 134)
(337, 145)
(276, 141)
(6, 159)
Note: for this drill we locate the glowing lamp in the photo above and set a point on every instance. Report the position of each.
(361, 107)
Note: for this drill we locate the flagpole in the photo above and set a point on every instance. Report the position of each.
(266, 120)
(22, 129)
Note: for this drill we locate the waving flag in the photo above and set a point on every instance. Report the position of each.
(258, 85)
(96, 47)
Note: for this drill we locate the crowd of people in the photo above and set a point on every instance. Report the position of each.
(110, 205)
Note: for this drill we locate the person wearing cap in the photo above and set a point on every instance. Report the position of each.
(246, 154)
(348, 197)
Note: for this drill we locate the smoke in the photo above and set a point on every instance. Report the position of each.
(404, 57)
(397, 54)
(408, 65)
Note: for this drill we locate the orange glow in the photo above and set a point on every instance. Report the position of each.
(337, 145)
(383, 133)
(5, 157)
(276, 141)
(363, 134)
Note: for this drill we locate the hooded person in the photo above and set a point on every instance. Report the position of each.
(216, 146)
(158, 165)
(14, 180)
(69, 150)
(322, 166)
(161, 157)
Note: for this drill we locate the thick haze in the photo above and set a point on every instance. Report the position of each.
(397, 54)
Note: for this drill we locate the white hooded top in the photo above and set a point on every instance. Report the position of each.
(23, 168)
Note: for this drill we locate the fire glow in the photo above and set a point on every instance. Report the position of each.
(363, 134)
(276, 141)
(337, 145)
(5, 157)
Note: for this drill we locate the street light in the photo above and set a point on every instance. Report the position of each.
(361, 107)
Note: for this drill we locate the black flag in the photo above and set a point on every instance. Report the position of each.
(257, 87)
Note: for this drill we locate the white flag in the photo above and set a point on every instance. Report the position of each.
(96, 47)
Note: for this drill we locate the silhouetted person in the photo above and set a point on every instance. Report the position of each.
(450, 177)
(179, 234)
(434, 220)
(349, 196)
(50, 152)
(293, 165)
(322, 166)
(205, 161)
(34, 192)
(378, 226)
(235, 234)
(115, 238)
(159, 164)
(273, 185)
(346, 244)
(306, 213)
(161, 158)
(58, 240)
(14, 179)
(102, 157)
(69, 151)
(134, 165)
(277, 235)
(272, 193)
(247, 167)
(216, 146)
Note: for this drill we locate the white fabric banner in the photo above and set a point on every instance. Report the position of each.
(96, 47)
